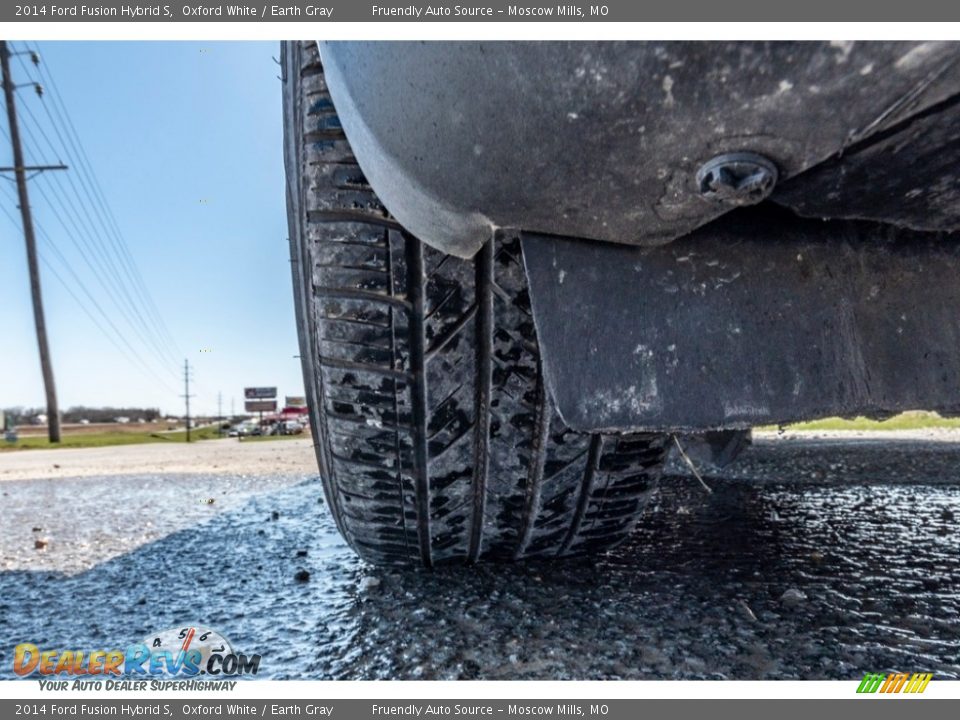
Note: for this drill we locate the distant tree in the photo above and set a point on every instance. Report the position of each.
(109, 414)
(20, 415)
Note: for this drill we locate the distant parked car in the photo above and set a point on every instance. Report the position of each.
(242, 430)
(291, 427)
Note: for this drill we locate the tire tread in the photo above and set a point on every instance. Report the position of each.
(435, 435)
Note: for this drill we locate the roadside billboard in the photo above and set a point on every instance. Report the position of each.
(260, 405)
(297, 401)
(260, 393)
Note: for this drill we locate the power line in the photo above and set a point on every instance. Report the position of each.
(84, 227)
(70, 268)
(78, 282)
(89, 263)
(129, 308)
(101, 206)
(109, 284)
(100, 327)
(81, 232)
(89, 180)
(88, 256)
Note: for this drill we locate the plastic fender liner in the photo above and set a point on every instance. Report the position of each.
(604, 140)
(758, 318)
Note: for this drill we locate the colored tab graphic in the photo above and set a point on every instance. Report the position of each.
(894, 683)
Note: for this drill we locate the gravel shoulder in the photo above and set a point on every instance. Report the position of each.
(230, 456)
(296, 457)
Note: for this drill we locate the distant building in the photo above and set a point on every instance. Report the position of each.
(293, 413)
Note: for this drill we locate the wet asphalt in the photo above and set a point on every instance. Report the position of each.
(808, 560)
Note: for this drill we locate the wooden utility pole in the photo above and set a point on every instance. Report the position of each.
(20, 170)
(186, 393)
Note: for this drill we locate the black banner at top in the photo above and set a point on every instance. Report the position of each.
(323, 11)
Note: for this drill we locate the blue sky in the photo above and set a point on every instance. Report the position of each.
(185, 140)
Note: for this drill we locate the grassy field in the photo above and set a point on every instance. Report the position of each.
(97, 428)
(126, 436)
(913, 420)
(267, 438)
(109, 437)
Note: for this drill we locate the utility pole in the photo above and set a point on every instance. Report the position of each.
(186, 393)
(20, 170)
(220, 414)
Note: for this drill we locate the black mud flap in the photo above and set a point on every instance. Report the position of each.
(758, 318)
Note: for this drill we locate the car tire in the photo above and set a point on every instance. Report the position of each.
(435, 436)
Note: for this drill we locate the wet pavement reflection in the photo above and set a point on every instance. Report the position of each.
(810, 559)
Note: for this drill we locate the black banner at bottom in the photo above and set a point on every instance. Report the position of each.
(872, 708)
